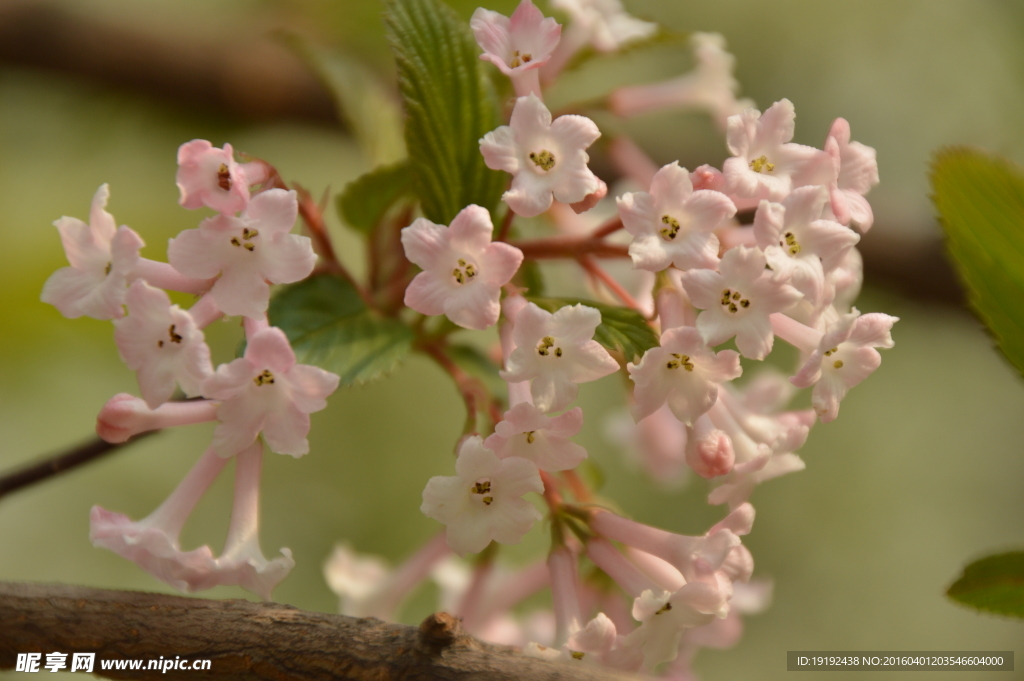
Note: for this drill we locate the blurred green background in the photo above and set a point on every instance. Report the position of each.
(922, 471)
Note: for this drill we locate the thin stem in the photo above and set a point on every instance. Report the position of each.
(613, 225)
(506, 225)
(313, 216)
(569, 247)
(609, 281)
(578, 487)
(552, 496)
(60, 463)
(467, 386)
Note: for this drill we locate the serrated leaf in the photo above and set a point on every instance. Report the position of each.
(330, 327)
(477, 364)
(993, 584)
(449, 106)
(362, 100)
(621, 329)
(366, 200)
(980, 200)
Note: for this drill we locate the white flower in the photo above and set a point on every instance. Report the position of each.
(738, 299)
(604, 23)
(547, 159)
(845, 356)
(764, 164)
(101, 256)
(555, 352)
(673, 224)
(681, 372)
(526, 432)
(798, 244)
(483, 501)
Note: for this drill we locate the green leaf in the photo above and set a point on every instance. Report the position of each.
(449, 106)
(366, 200)
(993, 584)
(369, 108)
(622, 329)
(980, 200)
(330, 327)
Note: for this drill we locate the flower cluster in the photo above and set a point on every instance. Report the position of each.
(763, 247)
(229, 262)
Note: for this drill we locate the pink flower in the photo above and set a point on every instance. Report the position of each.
(738, 299)
(555, 352)
(858, 173)
(124, 416)
(764, 165)
(102, 257)
(266, 391)
(604, 23)
(796, 241)
(681, 372)
(483, 501)
(845, 356)
(744, 479)
(161, 342)
(518, 45)
(152, 543)
(547, 159)
(673, 225)
(710, 86)
(208, 176)
(526, 432)
(247, 252)
(463, 271)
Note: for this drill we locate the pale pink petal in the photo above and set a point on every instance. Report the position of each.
(285, 431)
(500, 151)
(292, 259)
(200, 253)
(427, 294)
(274, 210)
(242, 292)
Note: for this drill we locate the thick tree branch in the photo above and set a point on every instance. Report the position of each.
(253, 641)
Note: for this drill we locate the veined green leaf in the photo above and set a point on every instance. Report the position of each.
(993, 584)
(362, 100)
(449, 106)
(365, 201)
(980, 199)
(621, 330)
(330, 327)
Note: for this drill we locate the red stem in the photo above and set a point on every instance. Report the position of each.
(569, 247)
(609, 281)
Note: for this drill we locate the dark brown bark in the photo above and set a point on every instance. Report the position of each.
(253, 641)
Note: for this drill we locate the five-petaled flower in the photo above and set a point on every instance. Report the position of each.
(738, 299)
(463, 271)
(681, 372)
(101, 256)
(518, 45)
(555, 352)
(266, 391)
(249, 252)
(483, 501)
(765, 165)
(162, 343)
(673, 224)
(208, 176)
(526, 432)
(547, 159)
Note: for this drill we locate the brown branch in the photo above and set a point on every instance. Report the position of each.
(248, 641)
(61, 462)
(569, 247)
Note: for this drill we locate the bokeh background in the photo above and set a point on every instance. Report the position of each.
(922, 472)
